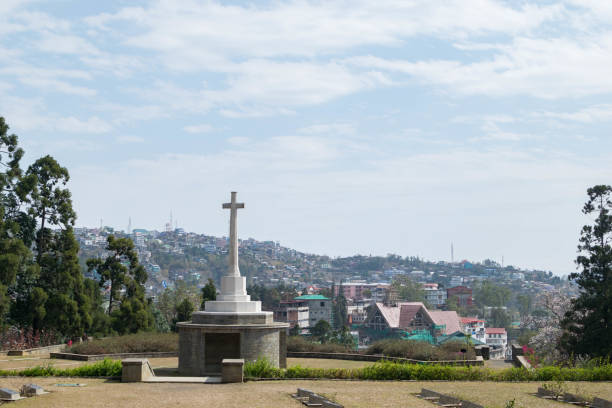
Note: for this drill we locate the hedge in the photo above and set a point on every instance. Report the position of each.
(103, 368)
(387, 370)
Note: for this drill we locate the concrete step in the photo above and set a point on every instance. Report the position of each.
(184, 380)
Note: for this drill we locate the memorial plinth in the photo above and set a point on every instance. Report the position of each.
(231, 327)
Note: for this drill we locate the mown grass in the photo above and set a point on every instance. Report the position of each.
(415, 350)
(420, 350)
(103, 368)
(386, 370)
(132, 343)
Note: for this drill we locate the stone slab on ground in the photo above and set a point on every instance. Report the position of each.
(311, 399)
(7, 394)
(31, 390)
(601, 403)
(446, 400)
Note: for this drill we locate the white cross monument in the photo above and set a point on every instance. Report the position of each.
(233, 297)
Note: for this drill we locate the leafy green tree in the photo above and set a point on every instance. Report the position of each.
(489, 294)
(588, 323)
(50, 204)
(524, 303)
(408, 290)
(322, 331)
(184, 311)
(15, 257)
(121, 270)
(69, 308)
(340, 312)
(295, 330)
(209, 292)
(170, 299)
(499, 318)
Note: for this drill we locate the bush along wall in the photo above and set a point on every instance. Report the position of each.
(104, 368)
(386, 370)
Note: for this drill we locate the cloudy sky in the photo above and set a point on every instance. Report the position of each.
(347, 127)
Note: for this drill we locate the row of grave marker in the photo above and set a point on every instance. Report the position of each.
(28, 390)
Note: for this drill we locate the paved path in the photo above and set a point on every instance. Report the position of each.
(498, 364)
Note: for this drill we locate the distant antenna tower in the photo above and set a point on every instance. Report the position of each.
(129, 230)
(452, 253)
(502, 261)
(101, 222)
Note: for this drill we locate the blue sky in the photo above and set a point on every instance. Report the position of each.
(346, 126)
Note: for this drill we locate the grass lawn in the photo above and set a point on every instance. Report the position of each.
(326, 363)
(101, 393)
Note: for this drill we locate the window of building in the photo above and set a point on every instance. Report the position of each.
(322, 304)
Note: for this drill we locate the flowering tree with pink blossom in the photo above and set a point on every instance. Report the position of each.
(551, 309)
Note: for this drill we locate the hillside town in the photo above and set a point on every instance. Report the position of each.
(443, 304)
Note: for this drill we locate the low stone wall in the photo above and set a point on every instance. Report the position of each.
(37, 351)
(521, 361)
(517, 351)
(479, 361)
(116, 356)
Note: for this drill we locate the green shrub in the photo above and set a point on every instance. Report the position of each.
(261, 369)
(103, 368)
(388, 370)
(132, 343)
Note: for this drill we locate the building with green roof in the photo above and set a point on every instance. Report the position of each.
(319, 308)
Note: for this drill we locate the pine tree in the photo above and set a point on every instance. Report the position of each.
(588, 324)
(209, 292)
(122, 270)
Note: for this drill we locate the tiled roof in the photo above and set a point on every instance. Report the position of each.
(392, 314)
(448, 319)
(466, 320)
(495, 330)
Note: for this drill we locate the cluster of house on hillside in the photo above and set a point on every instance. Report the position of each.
(408, 320)
(413, 321)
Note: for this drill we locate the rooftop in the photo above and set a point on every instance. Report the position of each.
(495, 330)
(311, 297)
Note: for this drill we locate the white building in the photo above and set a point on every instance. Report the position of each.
(474, 327)
(435, 296)
(456, 281)
(497, 340)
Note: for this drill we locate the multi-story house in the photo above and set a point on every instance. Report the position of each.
(474, 327)
(497, 339)
(435, 296)
(319, 308)
(361, 290)
(294, 312)
(462, 295)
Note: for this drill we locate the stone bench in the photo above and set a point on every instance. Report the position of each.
(136, 370)
(232, 370)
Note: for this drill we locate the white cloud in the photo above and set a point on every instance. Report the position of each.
(202, 128)
(543, 68)
(130, 139)
(590, 114)
(199, 34)
(76, 125)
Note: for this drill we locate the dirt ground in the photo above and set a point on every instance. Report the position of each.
(359, 394)
(365, 394)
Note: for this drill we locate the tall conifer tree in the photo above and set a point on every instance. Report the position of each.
(588, 325)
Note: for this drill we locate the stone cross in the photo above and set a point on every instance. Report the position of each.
(234, 270)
